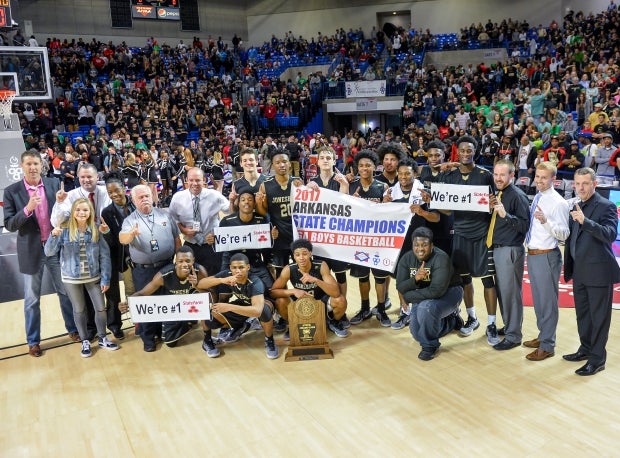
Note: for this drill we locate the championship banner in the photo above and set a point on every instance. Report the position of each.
(251, 237)
(350, 229)
(173, 307)
(459, 197)
(365, 88)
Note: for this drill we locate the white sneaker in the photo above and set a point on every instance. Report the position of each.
(86, 353)
(106, 343)
(470, 326)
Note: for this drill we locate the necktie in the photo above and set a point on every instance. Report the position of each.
(91, 197)
(197, 220)
(528, 236)
(492, 226)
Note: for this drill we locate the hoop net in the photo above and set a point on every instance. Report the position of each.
(6, 102)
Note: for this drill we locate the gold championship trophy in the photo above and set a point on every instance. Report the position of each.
(306, 319)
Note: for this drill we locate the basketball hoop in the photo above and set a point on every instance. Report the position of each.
(6, 102)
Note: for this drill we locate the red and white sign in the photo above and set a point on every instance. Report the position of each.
(459, 197)
(173, 307)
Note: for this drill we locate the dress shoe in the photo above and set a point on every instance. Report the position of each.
(35, 350)
(506, 345)
(149, 348)
(539, 355)
(590, 369)
(75, 337)
(577, 356)
(118, 334)
(534, 343)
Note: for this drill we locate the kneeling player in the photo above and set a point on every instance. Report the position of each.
(310, 278)
(250, 302)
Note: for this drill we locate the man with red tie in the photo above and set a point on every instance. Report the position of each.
(27, 207)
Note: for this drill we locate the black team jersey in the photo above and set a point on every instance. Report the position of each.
(312, 288)
(470, 224)
(279, 210)
(374, 193)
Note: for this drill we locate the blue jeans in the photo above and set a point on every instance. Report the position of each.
(32, 299)
(431, 318)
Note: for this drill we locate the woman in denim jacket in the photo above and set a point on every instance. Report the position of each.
(85, 266)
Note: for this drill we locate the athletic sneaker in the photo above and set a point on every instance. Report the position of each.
(388, 305)
(346, 324)
(209, 347)
(336, 327)
(280, 325)
(403, 320)
(223, 335)
(458, 321)
(287, 335)
(270, 348)
(106, 343)
(471, 325)
(254, 324)
(236, 333)
(360, 316)
(492, 337)
(384, 319)
(86, 353)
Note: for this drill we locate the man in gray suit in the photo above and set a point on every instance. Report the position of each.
(27, 210)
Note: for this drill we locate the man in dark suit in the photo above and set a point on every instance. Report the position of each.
(589, 261)
(27, 210)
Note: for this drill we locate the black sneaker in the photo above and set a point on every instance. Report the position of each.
(470, 326)
(458, 322)
(388, 305)
(360, 316)
(209, 347)
(384, 319)
(336, 327)
(427, 353)
(403, 321)
(236, 333)
(280, 325)
(271, 351)
(346, 324)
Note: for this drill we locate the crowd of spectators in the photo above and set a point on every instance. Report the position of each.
(199, 103)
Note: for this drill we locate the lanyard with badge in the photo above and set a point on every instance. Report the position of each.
(150, 225)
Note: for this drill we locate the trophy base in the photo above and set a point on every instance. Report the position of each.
(309, 353)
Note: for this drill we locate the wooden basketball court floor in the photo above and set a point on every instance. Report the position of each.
(375, 398)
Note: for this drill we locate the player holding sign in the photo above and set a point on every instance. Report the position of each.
(330, 178)
(368, 188)
(471, 256)
(180, 277)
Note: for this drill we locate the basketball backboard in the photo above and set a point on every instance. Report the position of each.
(27, 71)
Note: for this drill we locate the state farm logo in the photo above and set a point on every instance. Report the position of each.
(144, 10)
(483, 201)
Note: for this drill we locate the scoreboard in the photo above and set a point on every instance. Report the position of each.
(167, 10)
(5, 13)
